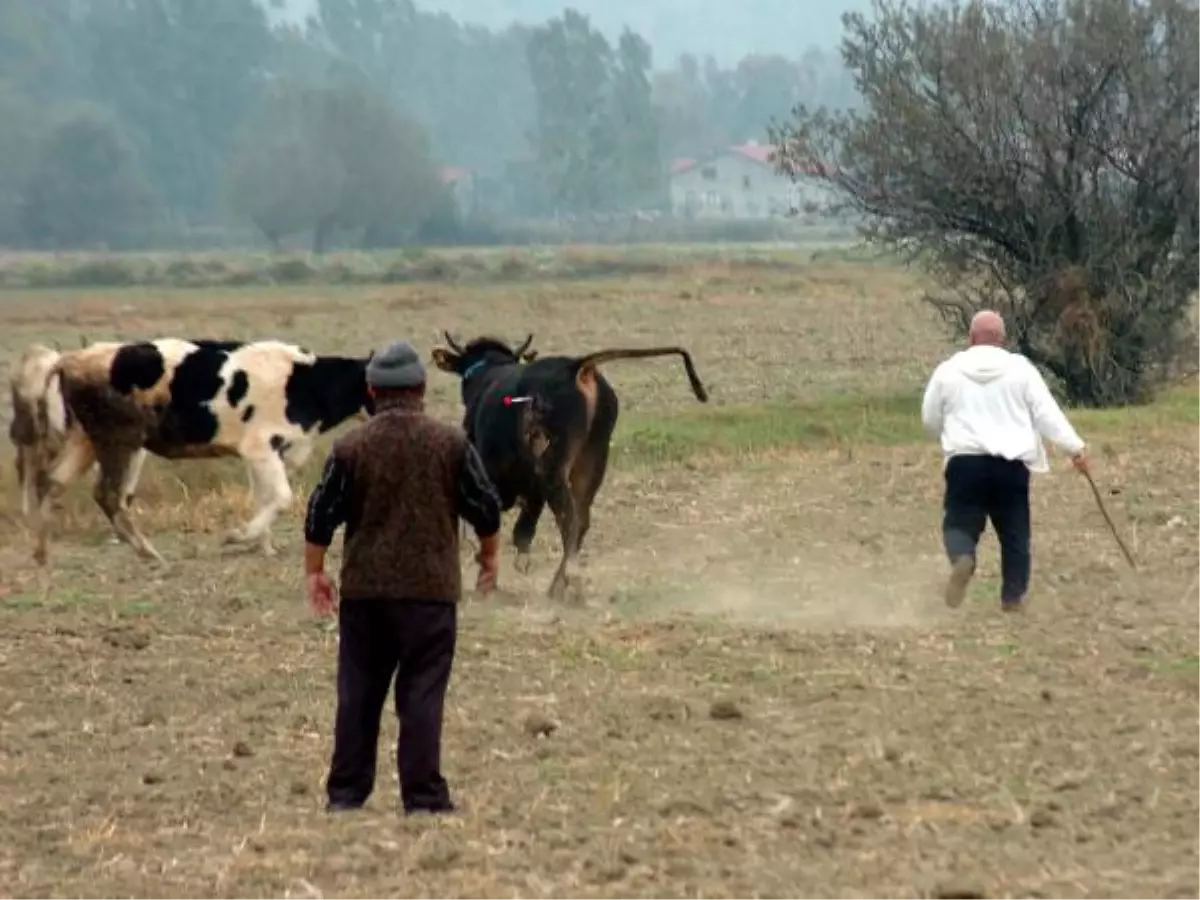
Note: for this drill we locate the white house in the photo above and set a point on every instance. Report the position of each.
(740, 182)
(463, 186)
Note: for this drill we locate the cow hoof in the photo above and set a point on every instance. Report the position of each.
(567, 588)
(523, 563)
(575, 590)
(234, 536)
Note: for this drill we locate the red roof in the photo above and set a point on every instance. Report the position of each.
(760, 153)
(451, 174)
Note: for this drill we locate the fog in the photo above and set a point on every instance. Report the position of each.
(727, 30)
(375, 123)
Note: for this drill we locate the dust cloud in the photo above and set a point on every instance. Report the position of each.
(759, 584)
(815, 595)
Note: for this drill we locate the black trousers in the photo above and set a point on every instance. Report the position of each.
(413, 642)
(979, 488)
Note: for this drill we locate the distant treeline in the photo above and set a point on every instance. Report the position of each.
(178, 123)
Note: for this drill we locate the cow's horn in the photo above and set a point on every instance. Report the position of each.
(453, 343)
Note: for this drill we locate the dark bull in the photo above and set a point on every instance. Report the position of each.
(543, 427)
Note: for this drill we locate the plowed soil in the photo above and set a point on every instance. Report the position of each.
(756, 692)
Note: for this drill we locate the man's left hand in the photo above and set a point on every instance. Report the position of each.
(489, 568)
(1080, 462)
(322, 594)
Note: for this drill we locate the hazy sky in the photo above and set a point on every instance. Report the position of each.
(727, 29)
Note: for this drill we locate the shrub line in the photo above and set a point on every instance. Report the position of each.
(417, 266)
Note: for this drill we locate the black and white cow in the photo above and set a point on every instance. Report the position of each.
(264, 401)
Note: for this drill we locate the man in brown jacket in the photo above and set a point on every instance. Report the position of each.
(399, 484)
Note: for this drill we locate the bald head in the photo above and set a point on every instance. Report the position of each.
(987, 327)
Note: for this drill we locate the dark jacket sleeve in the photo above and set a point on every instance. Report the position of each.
(478, 501)
(327, 503)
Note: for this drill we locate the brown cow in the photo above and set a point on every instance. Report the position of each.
(39, 420)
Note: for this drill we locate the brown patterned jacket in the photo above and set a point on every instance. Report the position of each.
(399, 484)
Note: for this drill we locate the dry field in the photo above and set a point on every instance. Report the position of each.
(761, 694)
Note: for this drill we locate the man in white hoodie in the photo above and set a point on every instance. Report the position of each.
(991, 409)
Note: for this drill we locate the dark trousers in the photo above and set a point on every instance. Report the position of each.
(414, 642)
(979, 488)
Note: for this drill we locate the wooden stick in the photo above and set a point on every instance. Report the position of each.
(1108, 519)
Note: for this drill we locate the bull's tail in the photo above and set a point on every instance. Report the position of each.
(602, 356)
(43, 401)
(53, 372)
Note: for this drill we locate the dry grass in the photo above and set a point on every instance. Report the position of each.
(166, 731)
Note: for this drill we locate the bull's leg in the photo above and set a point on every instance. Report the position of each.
(109, 492)
(587, 476)
(76, 457)
(27, 477)
(525, 529)
(273, 494)
(562, 502)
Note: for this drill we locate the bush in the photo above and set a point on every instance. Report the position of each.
(416, 264)
(291, 271)
(1038, 158)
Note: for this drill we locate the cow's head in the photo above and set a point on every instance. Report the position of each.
(479, 355)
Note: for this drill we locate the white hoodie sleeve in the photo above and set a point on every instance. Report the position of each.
(931, 403)
(1048, 417)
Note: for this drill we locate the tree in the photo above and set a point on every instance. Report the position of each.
(691, 126)
(86, 186)
(767, 87)
(391, 181)
(1039, 157)
(468, 87)
(181, 74)
(641, 176)
(331, 157)
(570, 63)
(39, 68)
(280, 174)
(18, 150)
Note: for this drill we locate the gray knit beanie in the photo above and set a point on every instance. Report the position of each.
(396, 366)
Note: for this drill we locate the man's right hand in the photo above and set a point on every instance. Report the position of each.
(1080, 462)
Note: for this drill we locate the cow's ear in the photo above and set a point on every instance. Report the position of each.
(445, 360)
(530, 356)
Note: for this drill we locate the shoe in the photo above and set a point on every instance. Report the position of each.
(960, 576)
(1013, 605)
(342, 806)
